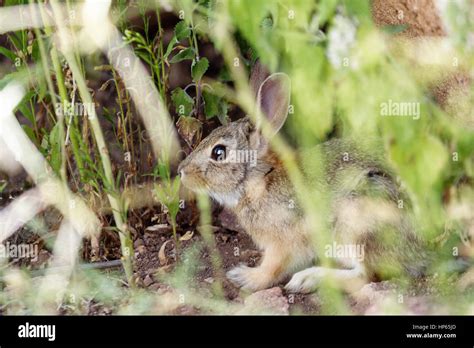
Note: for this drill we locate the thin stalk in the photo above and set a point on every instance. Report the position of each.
(62, 91)
(122, 113)
(125, 240)
(162, 60)
(194, 43)
(204, 206)
(117, 211)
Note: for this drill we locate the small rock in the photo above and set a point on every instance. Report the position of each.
(186, 310)
(269, 301)
(387, 298)
(148, 281)
(372, 294)
(209, 280)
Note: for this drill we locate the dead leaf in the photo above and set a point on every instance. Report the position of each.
(162, 254)
(158, 228)
(187, 236)
(190, 129)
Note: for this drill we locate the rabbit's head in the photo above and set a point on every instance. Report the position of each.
(223, 161)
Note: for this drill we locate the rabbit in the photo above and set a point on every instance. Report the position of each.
(236, 166)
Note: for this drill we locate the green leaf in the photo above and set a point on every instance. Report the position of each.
(145, 56)
(55, 148)
(21, 76)
(326, 10)
(24, 107)
(173, 205)
(16, 39)
(187, 53)
(35, 51)
(199, 68)
(163, 170)
(359, 9)
(211, 104)
(3, 185)
(30, 133)
(170, 47)
(222, 114)
(183, 102)
(7, 53)
(182, 31)
(421, 162)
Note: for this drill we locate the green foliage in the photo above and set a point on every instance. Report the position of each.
(211, 104)
(3, 185)
(183, 102)
(52, 146)
(182, 31)
(8, 53)
(185, 54)
(167, 193)
(199, 68)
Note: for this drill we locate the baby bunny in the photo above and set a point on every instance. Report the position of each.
(236, 166)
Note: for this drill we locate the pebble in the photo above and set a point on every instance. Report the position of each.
(209, 280)
(148, 281)
(269, 301)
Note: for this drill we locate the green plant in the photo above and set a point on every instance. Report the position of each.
(167, 192)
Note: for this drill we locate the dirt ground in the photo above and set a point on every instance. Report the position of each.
(419, 16)
(156, 255)
(233, 245)
(155, 252)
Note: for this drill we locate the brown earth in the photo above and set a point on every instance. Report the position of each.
(419, 16)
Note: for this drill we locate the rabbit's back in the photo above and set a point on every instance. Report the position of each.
(367, 206)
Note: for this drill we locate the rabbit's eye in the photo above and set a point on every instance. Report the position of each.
(218, 153)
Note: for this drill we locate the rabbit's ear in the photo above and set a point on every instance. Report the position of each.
(273, 98)
(258, 75)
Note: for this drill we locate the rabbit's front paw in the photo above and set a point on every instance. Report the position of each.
(247, 278)
(306, 281)
(310, 279)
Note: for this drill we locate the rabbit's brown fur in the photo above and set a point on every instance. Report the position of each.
(363, 210)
